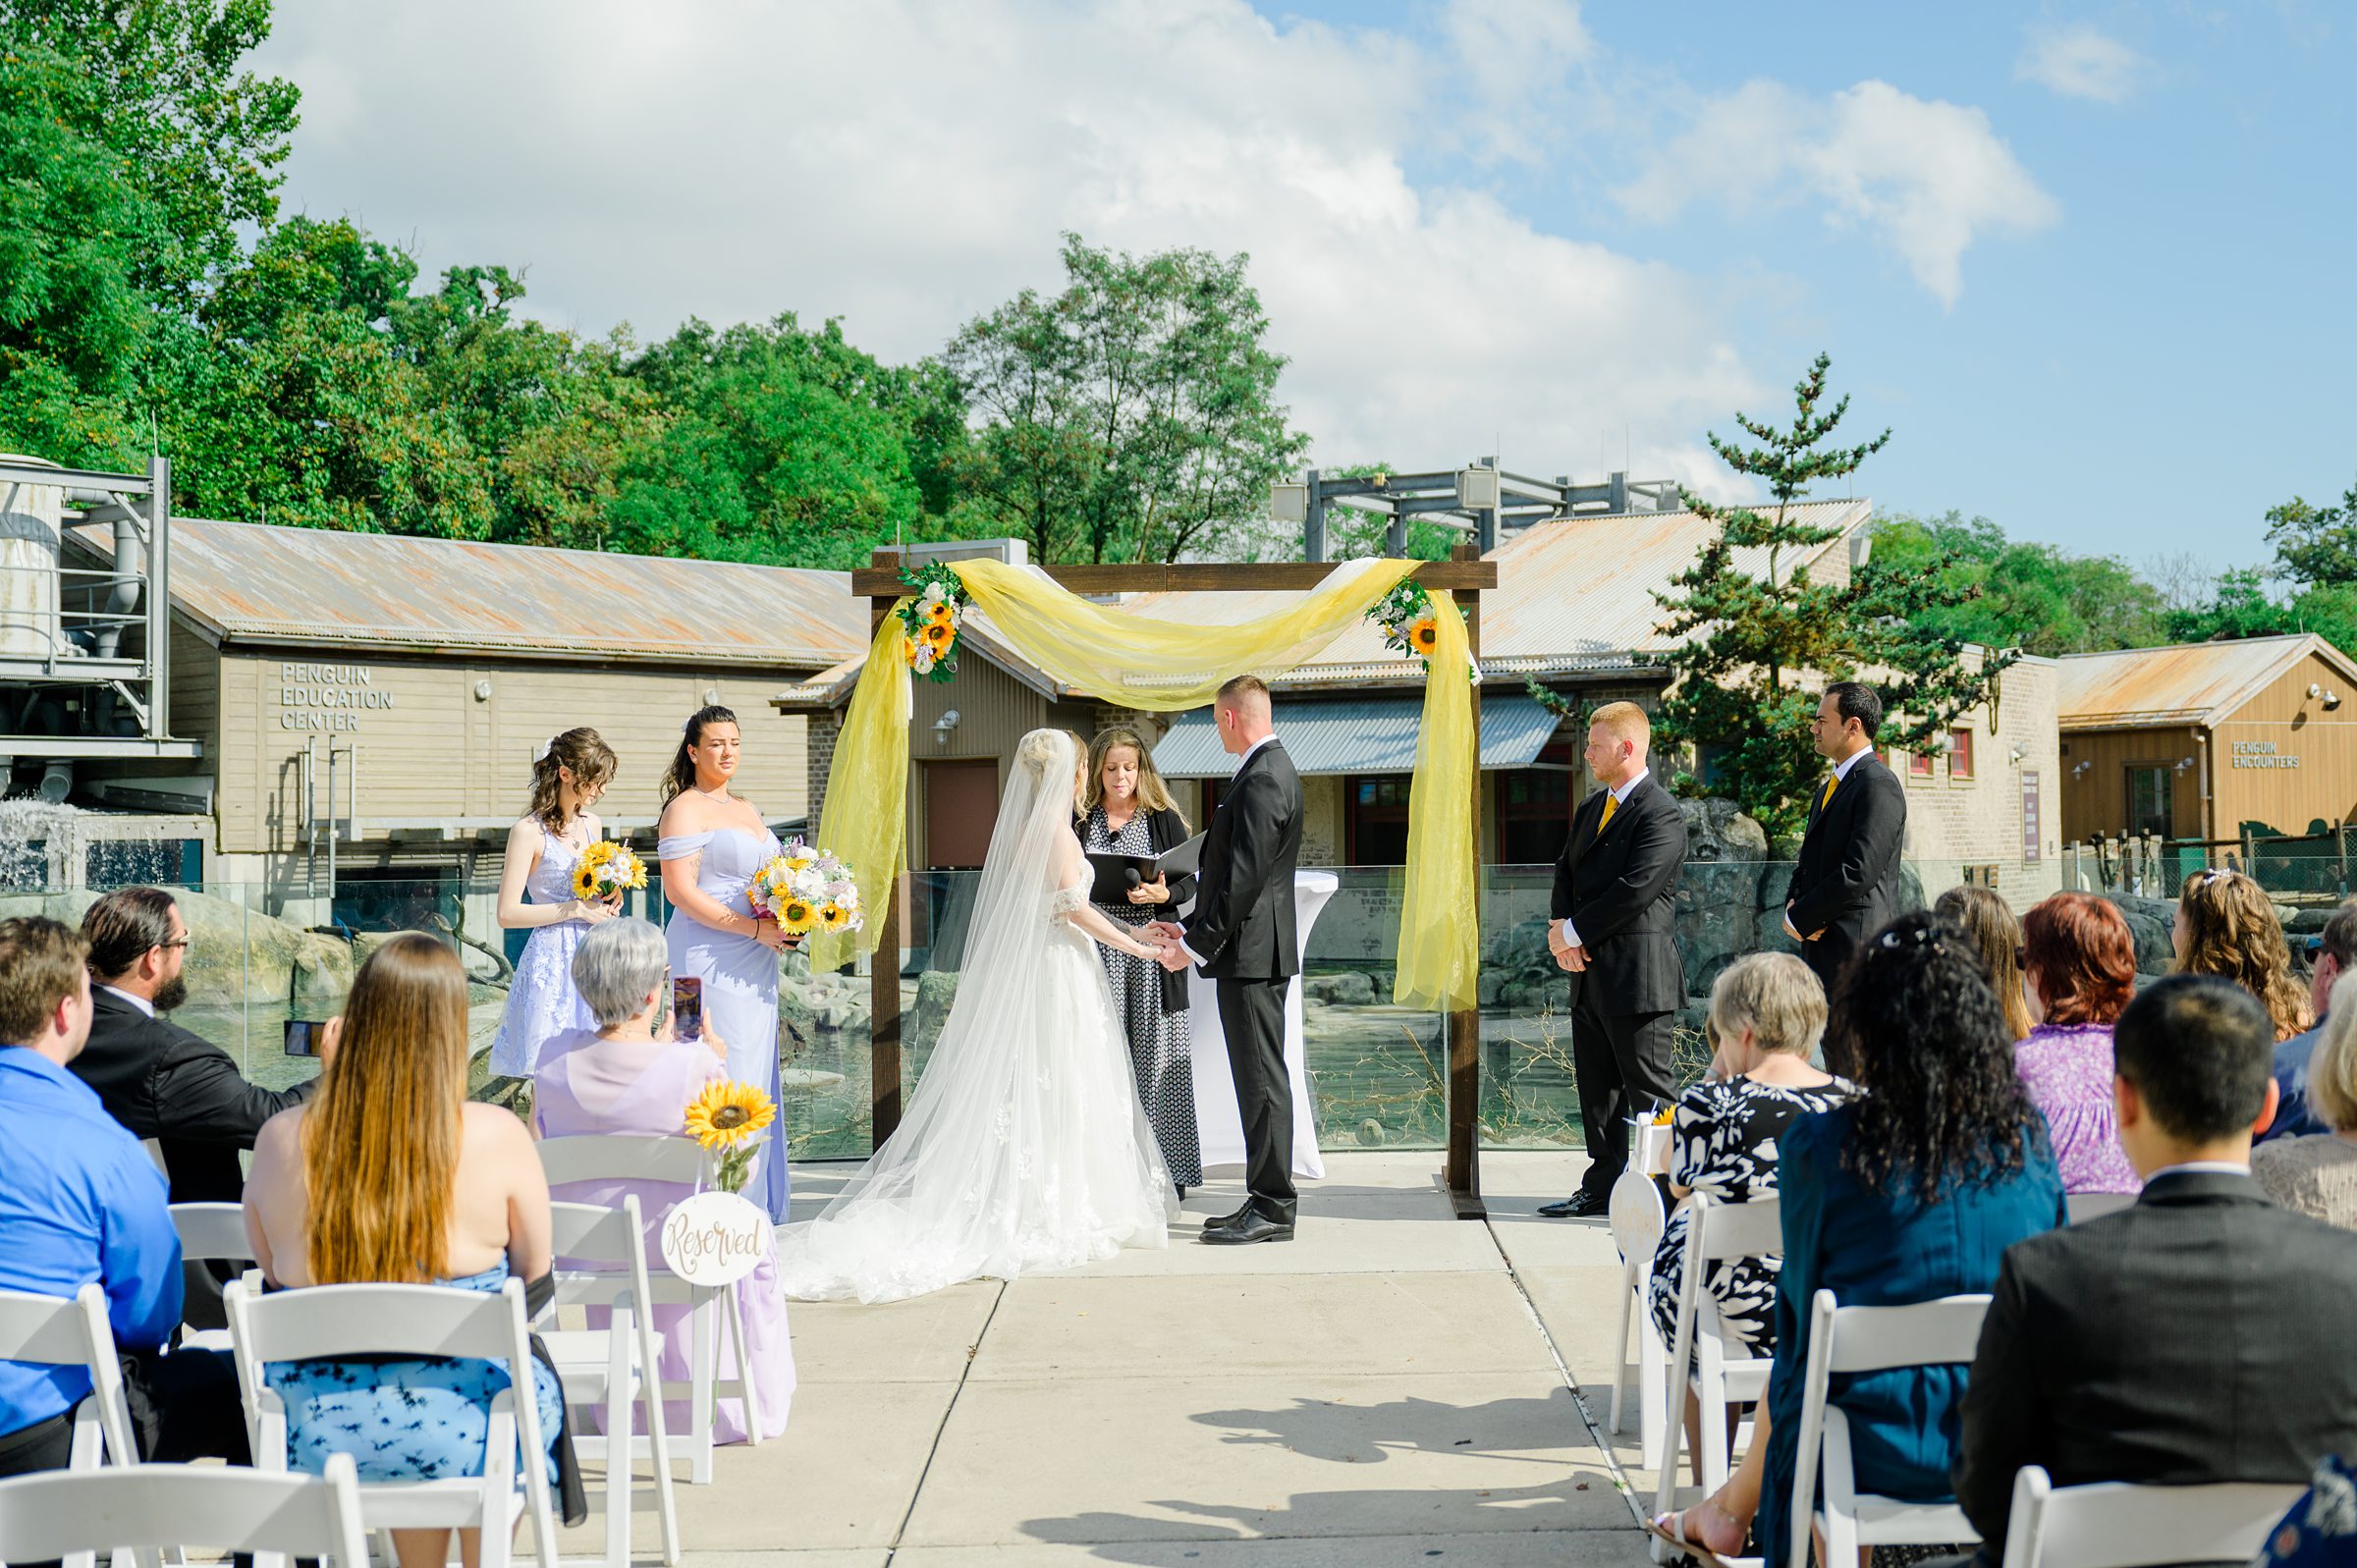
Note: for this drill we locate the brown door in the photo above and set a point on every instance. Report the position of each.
(962, 804)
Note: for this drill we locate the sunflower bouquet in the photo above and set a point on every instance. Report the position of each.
(932, 613)
(1406, 618)
(729, 1119)
(805, 889)
(608, 867)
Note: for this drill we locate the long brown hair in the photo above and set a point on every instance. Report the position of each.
(1988, 920)
(592, 763)
(1152, 793)
(2231, 931)
(380, 1143)
(683, 766)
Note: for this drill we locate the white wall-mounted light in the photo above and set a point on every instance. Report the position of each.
(2332, 700)
(711, 696)
(943, 725)
(2015, 756)
(482, 691)
(2079, 768)
(2184, 764)
(1477, 489)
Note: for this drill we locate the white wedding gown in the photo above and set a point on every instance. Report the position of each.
(1025, 1146)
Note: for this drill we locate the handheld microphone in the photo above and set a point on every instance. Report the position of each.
(1131, 877)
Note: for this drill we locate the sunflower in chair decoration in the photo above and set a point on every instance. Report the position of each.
(1407, 621)
(931, 617)
(730, 1119)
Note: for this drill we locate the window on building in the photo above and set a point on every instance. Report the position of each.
(1375, 820)
(2150, 801)
(1959, 754)
(1534, 810)
(1919, 762)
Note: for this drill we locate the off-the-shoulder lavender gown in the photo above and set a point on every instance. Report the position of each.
(741, 980)
(641, 1089)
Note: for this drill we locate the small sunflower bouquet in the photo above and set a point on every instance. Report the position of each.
(805, 889)
(730, 1119)
(608, 867)
(1406, 618)
(935, 610)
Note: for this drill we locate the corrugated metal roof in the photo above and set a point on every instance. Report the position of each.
(1372, 734)
(1575, 594)
(2186, 683)
(244, 580)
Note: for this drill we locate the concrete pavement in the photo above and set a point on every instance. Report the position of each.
(1395, 1386)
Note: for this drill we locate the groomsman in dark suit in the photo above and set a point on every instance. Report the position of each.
(1615, 895)
(1846, 886)
(2200, 1334)
(1241, 932)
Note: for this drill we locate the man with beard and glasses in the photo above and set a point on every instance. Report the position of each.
(160, 1080)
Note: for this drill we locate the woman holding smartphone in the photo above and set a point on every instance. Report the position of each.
(710, 844)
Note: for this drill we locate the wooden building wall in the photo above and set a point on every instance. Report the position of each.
(2312, 796)
(2095, 803)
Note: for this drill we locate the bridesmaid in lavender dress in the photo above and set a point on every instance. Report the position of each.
(623, 1078)
(711, 843)
(536, 894)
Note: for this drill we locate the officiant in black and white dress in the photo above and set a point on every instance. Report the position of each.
(1130, 812)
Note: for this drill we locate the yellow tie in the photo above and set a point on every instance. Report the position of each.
(1831, 785)
(1612, 803)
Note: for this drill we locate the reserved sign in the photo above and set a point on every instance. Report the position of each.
(715, 1238)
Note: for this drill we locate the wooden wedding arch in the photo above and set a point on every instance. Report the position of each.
(1465, 574)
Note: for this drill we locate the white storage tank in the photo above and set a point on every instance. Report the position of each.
(30, 518)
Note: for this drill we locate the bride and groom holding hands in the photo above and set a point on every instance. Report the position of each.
(1025, 1144)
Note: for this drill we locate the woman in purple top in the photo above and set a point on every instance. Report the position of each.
(2078, 973)
(623, 1078)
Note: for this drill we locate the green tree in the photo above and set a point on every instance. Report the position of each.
(2315, 545)
(2031, 596)
(1132, 416)
(1755, 624)
(1355, 532)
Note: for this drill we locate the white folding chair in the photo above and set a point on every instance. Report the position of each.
(712, 1311)
(57, 1332)
(2117, 1525)
(1637, 1219)
(1854, 1340)
(62, 1514)
(344, 1321)
(2080, 1206)
(210, 1232)
(1719, 1374)
(607, 1368)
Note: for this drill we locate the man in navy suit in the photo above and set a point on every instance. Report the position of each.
(1616, 898)
(1845, 887)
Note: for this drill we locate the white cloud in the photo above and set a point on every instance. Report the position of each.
(1515, 56)
(2082, 62)
(907, 164)
(1926, 176)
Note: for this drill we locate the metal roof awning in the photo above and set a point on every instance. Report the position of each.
(1375, 734)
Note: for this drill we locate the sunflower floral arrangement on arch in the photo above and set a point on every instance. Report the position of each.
(608, 867)
(805, 889)
(1405, 617)
(730, 1119)
(932, 613)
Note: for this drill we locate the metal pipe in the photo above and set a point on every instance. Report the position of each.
(159, 595)
(331, 833)
(309, 791)
(124, 596)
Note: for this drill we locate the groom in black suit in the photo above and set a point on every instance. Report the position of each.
(1241, 933)
(1845, 885)
(1614, 911)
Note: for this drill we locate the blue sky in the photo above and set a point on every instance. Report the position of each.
(2092, 264)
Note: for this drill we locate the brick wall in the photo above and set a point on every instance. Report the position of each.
(824, 727)
(1956, 823)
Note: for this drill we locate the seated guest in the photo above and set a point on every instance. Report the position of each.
(2080, 963)
(2333, 954)
(391, 1175)
(162, 1081)
(2226, 926)
(2200, 1334)
(1907, 1192)
(1987, 923)
(1767, 1012)
(625, 1078)
(2317, 1174)
(81, 1203)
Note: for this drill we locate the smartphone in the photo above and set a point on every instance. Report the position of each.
(302, 1037)
(688, 1006)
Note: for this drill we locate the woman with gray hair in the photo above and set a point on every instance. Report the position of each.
(1767, 1014)
(629, 1078)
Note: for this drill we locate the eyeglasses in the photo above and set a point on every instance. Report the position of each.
(168, 945)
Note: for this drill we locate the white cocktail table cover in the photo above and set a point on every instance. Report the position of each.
(1216, 1124)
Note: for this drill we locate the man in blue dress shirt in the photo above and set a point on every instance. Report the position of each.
(81, 1202)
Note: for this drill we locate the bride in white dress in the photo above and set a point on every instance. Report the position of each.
(1025, 1146)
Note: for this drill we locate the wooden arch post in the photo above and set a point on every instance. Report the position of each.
(1465, 575)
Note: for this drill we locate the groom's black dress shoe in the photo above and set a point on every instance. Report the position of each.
(1579, 1206)
(1228, 1221)
(1253, 1226)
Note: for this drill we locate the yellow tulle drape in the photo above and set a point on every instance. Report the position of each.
(1440, 914)
(1165, 666)
(1139, 661)
(865, 818)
